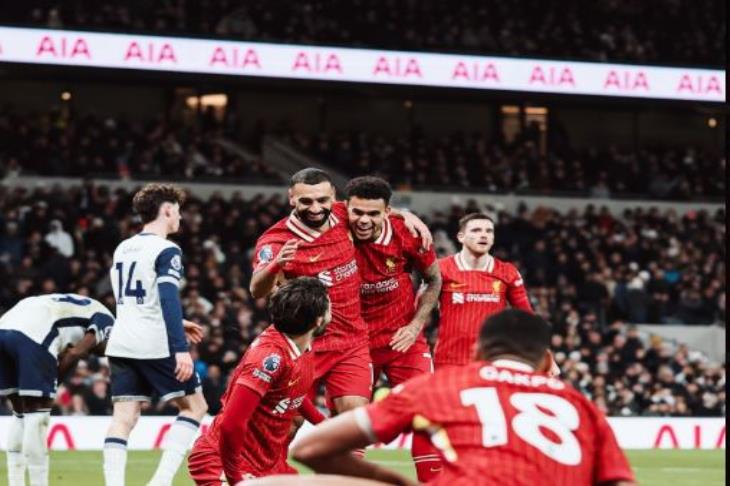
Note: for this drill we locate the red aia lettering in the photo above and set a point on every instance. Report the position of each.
(63, 430)
(666, 429)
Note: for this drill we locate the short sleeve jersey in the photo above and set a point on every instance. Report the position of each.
(140, 264)
(330, 257)
(468, 296)
(498, 423)
(273, 368)
(386, 290)
(56, 321)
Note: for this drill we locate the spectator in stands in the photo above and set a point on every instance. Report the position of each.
(59, 239)
(673, 32)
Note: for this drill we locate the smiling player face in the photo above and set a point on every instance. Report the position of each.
(312, 203)
(477, 237)
(366, 217)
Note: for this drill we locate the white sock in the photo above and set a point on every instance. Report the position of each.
(16, 460)
(115, 461)
(35, 429)
(177, 442)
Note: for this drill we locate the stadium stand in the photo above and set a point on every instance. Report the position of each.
(593, 274)
(60, 143)
(473, 160)
(57, 142)
(669, 31)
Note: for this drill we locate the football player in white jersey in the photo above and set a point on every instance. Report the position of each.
(148, 349)
(41, 338)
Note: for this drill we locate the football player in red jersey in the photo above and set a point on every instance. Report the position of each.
(500, 420)
(386, 255)
(475, 285)
(315, 241)
(269, 387)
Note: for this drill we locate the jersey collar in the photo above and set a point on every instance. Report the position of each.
(293, 348)
(515, 365)
(462, 265)
(296, 226)
(386, 235)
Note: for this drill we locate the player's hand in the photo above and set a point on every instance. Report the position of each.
(418, 229)
(183, 366)
(193, 331)
(287, 252)
(405, 337)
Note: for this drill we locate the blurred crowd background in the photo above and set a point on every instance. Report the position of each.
(669, 32)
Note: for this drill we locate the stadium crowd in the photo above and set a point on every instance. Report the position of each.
(475, 161)
(592, 274)
(59, 142)
(669, 31)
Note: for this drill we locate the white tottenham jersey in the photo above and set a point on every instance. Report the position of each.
(56, 321)
(140, 263)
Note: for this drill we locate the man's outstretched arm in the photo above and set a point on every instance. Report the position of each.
(328, 450)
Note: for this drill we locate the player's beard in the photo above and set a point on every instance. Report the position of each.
(320, 330)
(302, 215)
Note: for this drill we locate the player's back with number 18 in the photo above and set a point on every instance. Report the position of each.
(501, 420)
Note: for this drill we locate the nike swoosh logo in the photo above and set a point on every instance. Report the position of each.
(315, 258)
(456, 285)
(293, 382)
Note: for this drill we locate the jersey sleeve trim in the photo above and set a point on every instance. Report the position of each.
(362, 419)
(169, 263)
(170, 280)
(101, 323)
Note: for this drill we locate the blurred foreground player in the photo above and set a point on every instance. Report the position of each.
(475, 285)
(500, 420)
(387, 253)
(41, 338)
(250, 435)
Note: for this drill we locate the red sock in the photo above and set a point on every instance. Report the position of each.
(425, 458)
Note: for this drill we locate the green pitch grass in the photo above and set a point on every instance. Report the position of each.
(654, 467)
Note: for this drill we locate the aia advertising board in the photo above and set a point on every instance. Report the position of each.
(188, 55)
(87, 433)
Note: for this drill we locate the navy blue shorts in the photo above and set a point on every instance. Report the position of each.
(137, 379)
(26, 367)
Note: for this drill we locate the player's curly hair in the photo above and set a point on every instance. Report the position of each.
(148, 200)
(295, 306)
(369, 187)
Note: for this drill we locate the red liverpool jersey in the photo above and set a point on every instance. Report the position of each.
(274, 368)
(501, 423)
(386, 290)
(330, 257)
(468, 296)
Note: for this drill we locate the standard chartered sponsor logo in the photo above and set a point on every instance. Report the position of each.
(381, 287)
(461, 298)
(329, 277)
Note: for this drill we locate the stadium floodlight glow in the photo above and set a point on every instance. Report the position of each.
(288, 61)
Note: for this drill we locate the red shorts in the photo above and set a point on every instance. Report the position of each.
(400, 367)
(345, 373)
(205, 468)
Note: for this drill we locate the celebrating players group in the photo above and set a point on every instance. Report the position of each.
(343, 309)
